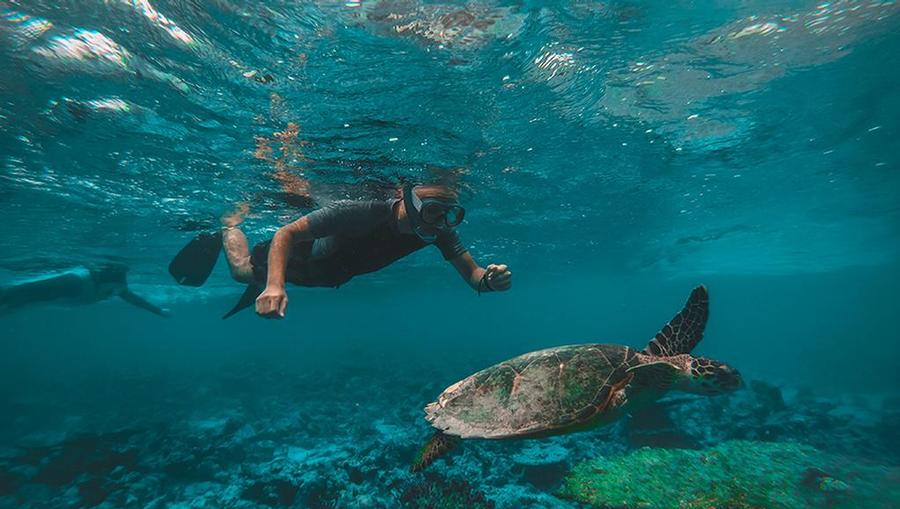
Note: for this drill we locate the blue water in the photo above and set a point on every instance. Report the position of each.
(613, 154)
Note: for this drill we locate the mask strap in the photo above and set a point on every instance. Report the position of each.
(412, 215)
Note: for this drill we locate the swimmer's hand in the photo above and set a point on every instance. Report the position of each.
(271, 303)
(499, 277)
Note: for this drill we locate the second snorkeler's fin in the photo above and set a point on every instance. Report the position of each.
(248, 298)
(194, 263)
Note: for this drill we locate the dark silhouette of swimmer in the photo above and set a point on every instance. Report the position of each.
(76, 286)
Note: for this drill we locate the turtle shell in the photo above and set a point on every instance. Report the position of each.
(539, 392)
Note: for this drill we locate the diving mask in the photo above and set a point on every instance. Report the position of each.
(431, 215)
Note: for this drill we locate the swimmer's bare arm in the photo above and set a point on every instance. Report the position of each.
(273, 301)
(137, 300)
(499, 278)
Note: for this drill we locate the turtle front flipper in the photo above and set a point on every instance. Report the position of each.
(650, 381)
(685, 329)
(438, 445)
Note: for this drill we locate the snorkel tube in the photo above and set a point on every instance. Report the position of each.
(414, 214)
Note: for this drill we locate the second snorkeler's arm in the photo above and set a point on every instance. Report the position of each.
(272, 302)
(138, 301)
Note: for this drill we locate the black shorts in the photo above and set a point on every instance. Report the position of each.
(301, 270)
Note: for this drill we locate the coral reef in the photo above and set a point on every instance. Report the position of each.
(434, 492)
(854, 426)
(243, 439)
(736, 474)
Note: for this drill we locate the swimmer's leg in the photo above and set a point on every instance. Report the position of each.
(237, 250)
(238, 254)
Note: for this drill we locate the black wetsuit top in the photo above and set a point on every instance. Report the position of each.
(351, 238)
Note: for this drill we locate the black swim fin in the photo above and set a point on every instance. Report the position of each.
(194, 263)
(247, 299)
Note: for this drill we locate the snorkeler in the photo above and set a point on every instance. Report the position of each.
(331, 245)
(76, 286)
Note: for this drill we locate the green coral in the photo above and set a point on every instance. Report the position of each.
(734, 475)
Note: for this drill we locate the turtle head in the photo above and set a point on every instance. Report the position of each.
(706, 376)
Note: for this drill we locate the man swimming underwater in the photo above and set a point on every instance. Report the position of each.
(329, 246)
(76, 286)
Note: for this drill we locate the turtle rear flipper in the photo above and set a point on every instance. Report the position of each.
(438, 445)
(685, 329)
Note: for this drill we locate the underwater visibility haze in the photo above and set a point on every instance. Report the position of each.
(615, 155)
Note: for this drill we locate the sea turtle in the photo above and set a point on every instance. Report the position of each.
(576, 387)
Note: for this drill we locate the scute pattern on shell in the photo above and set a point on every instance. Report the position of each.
(534, 393)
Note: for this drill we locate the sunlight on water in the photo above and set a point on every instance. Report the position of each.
(606, 101)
